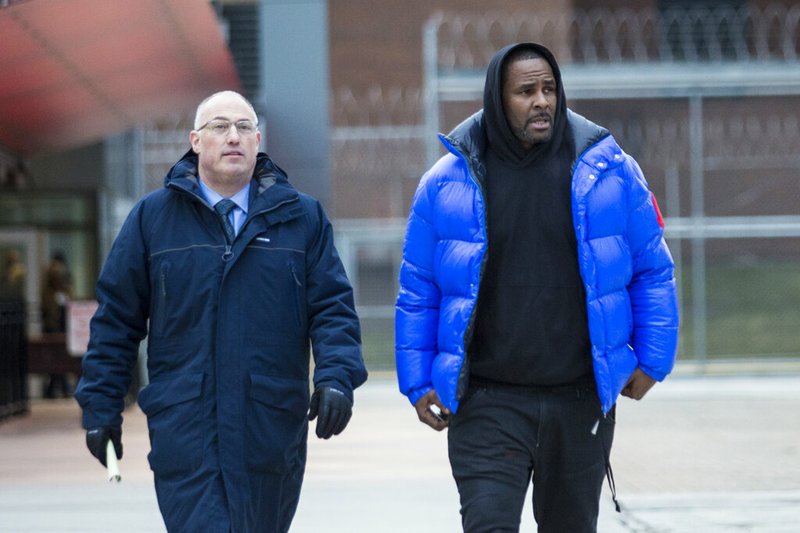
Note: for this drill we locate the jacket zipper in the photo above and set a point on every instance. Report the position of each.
(162, 300)
(463, 376)
(297, 296)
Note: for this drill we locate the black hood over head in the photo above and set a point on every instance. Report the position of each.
(498, 132)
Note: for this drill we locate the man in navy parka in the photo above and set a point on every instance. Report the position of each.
(230, 272)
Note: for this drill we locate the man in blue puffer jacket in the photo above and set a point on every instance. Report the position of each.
(536, 287)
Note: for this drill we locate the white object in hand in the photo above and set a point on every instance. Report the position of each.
(111, 461)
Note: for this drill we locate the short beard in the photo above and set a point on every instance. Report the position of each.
(522, 136)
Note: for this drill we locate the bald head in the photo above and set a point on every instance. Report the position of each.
(200, 116)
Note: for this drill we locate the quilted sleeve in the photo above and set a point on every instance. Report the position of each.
(652, 288)
(418, 299)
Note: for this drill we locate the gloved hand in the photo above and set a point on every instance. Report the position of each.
(334, 409)
(97, 440)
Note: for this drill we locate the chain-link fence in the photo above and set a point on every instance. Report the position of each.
(618, 35)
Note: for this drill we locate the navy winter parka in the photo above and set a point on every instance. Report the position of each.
(228, 346)
(625, 266)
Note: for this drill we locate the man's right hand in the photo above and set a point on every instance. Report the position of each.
(437, 421)
(97, 442)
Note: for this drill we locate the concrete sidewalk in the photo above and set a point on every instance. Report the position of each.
(707, 455)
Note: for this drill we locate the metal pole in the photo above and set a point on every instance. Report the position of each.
(346, 247)
(294, 89)
(672, 203)
(696, 151)
(430, 60)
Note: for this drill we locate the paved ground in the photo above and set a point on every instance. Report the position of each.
(711, 455)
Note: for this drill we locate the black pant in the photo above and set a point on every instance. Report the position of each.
(505, 436)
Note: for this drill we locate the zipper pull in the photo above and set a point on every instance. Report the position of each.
(228, 255)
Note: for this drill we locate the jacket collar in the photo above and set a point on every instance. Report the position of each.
(468, 139)
(270, 185)
(585, 132)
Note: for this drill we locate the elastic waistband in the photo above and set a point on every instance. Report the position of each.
(580, 386)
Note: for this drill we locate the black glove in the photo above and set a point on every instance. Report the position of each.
(334, 409)
(97, 440)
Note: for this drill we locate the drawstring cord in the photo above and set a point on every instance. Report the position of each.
(611, 484)
(609, 472)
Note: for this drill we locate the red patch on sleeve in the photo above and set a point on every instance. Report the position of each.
(658, 212)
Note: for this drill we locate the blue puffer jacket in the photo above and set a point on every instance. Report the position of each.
(228, 346)
(624, 262)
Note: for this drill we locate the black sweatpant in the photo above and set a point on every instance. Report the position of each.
(504, 437)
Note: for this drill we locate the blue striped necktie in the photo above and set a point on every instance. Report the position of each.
(223, 209)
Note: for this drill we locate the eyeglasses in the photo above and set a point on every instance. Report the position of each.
(222, 127)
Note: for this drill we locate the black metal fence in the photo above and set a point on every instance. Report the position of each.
(13, 359)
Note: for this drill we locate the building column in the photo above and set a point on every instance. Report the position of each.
(294, 91)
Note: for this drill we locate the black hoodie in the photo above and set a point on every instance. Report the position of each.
(531, 327)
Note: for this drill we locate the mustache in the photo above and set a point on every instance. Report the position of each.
(540, 116)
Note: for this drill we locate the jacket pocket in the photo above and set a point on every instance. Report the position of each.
(159, 314)
(174, 411)
(277, 423)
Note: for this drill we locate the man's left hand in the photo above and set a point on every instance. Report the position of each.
(638, 385)
(334, 410)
